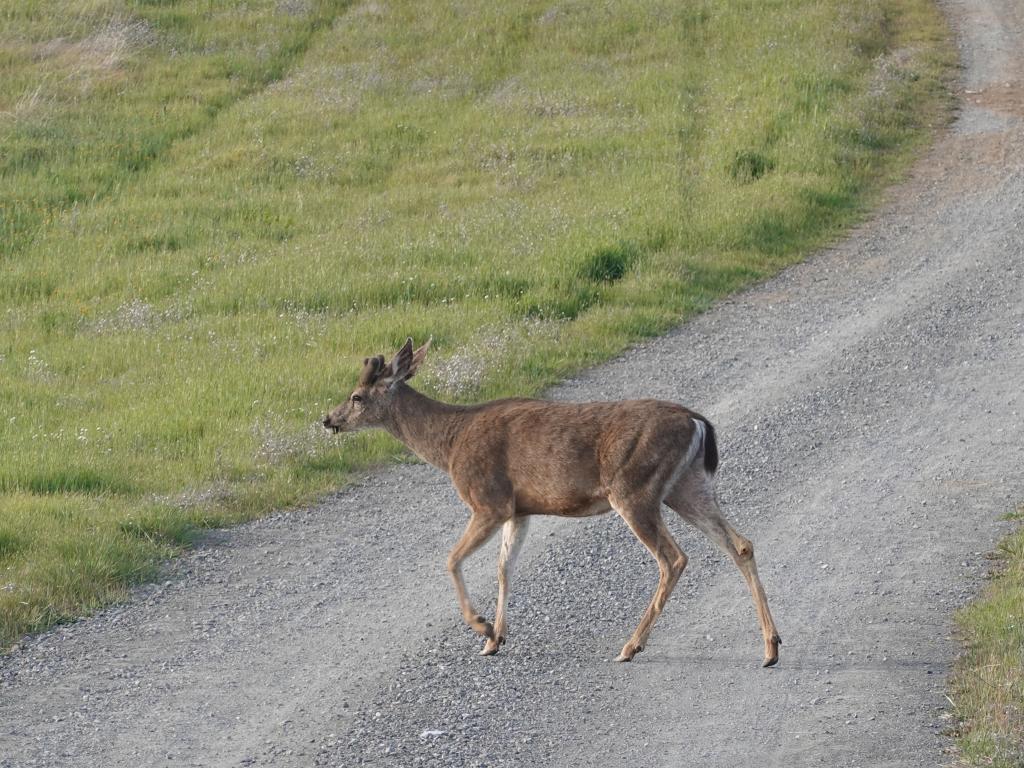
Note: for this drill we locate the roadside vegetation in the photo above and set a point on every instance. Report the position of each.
(987, 687)
(211, 212)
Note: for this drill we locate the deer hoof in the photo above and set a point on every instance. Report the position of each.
(771, 657)
(492, 645)
(628, 652)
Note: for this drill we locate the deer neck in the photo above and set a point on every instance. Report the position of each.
(426, 426)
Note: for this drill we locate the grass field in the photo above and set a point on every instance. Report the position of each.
(988, 682)
(210, 212)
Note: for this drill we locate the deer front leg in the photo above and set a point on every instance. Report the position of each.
(478, 530)
(512, 535)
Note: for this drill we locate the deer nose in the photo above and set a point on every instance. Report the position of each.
(327, 421)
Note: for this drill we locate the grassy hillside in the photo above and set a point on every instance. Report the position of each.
(210, 212)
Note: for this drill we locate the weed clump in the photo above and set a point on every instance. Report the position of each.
(746, 167)
(606, 265)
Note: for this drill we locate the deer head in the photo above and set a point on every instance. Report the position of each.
(370, 402)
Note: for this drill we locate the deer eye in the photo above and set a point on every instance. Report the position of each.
(357, 398)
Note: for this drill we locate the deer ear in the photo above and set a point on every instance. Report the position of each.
(398, 370)
(405, 363)
(418, 357)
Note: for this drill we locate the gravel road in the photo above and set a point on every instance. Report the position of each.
(870, 418)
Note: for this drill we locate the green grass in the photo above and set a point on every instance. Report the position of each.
(210, 212)
(987, 686)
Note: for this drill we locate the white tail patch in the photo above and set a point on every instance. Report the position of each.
(696, 443)
(699, 433)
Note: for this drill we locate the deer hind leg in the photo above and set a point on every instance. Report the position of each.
(645, 521)
(512, 535)
(693, 499)
(478, 530)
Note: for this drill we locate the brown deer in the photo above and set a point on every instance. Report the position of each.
(510, 459)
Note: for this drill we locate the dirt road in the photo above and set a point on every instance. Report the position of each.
(870, 418)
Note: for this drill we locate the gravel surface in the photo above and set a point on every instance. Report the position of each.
(870, 419)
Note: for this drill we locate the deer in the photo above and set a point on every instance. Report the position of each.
(511, 459)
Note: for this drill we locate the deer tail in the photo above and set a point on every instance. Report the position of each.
(710, 446)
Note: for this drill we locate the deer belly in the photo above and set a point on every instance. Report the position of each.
(561, 507)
